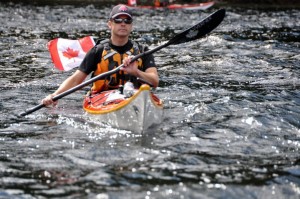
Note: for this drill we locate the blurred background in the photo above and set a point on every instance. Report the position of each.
(265, 3)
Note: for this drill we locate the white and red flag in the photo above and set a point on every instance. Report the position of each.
(67, 54)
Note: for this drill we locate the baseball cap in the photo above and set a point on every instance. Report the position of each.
(120, 10)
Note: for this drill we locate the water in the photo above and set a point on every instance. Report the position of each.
(231, 125)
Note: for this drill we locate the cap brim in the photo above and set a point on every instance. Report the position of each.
(119, 14)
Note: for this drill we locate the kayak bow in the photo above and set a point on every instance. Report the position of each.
(136, 113)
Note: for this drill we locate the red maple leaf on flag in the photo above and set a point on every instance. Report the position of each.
(70, 53)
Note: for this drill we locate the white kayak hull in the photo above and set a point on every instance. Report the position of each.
(135, 114)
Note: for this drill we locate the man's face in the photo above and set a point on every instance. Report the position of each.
(121, 25)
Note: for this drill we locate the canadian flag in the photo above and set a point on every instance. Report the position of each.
(67, 54)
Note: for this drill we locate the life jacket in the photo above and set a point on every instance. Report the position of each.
(111, 59)
(157, 3)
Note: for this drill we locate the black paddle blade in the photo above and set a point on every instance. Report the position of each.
(199, 30)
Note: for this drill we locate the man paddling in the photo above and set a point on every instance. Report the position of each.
(108, 55)
(161, 3)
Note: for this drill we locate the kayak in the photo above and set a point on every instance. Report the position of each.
(136, 113)
(198, 6)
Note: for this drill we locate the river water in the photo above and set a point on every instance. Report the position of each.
(231, 120)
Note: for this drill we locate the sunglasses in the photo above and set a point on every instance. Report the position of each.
(119, 20)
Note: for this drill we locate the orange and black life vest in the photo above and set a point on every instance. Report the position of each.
(111, 59)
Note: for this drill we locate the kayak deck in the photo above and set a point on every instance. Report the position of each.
(136, 113)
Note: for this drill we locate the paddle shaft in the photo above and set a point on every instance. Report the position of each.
(195, 32)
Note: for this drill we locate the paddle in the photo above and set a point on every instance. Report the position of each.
(195, 32)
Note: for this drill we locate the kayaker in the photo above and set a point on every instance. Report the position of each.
(161, 3)
(108, 55)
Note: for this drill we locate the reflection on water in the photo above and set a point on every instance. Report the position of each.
(231, 125)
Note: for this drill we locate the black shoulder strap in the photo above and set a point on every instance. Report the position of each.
(138, 48)
(100, 44)
(102, 41)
